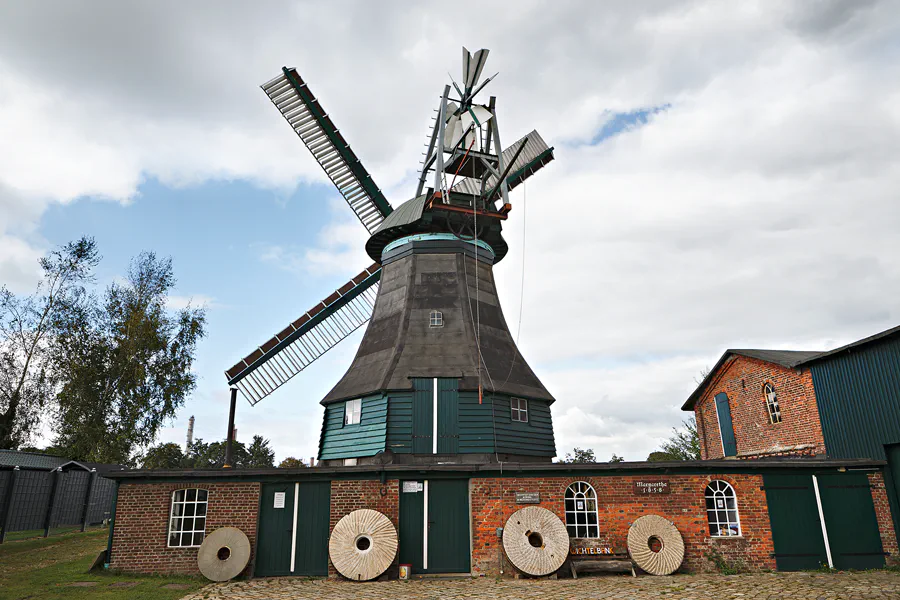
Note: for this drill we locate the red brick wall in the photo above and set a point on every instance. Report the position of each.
(885, 522)
(140, 534)
(347, 496)
(743, 378)
(493, 502)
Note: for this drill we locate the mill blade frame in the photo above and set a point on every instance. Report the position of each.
(305, 340)
(304, 113)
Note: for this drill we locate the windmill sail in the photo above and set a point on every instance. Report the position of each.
(321, 328)
(304, 113)
(535, 155)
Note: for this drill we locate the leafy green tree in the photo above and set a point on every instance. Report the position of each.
(616, 458)
(683, 445)
(291, 463)
(163, 456)
(27, 374)
(581, 456)
(125, 364)
(212, 456)
(259, 454)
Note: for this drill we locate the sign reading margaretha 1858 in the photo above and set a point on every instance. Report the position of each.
(528, 497)
(655, 486)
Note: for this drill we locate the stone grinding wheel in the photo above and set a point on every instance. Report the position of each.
(536, 541)
(363, 545)
(223, 554)
(671, 552)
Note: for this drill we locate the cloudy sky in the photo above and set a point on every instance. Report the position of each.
(726, 175)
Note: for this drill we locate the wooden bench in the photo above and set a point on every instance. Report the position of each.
(605, 560)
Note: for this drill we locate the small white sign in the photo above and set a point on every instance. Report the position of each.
(279, 499)
(411, 487)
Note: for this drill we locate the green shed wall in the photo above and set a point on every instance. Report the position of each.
(399, 429)
(858, 393)
(365, 438)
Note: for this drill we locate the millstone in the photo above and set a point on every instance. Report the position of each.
(223, 554)
(536, 541)
(641, 535)
(363, 545)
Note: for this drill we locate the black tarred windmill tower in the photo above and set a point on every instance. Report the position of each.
(437, 377)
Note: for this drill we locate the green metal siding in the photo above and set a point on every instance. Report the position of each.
(399, 425)
(858, 393)
(365, 438)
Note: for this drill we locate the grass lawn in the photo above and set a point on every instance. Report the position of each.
(41, 569)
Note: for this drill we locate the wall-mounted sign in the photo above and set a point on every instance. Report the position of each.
(591, 551)
(279, 500)
(411, 487)
(528, 497)
(654, 486)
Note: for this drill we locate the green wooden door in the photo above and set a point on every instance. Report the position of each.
(794, 518)
(276, 520)
(412, 524)
(313, 517)
(448, 526)
(448, 416)
(447, 516)
(850, 520)
(892, 483)
(423, 416)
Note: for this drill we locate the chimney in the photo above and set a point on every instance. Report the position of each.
(190, 434)
(312, 461)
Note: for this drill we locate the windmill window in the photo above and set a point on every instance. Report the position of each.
(518, 410)
(436, 319)
(187, 518)
(772, 403)
(722, 509)
(581, 511)
(352, 411)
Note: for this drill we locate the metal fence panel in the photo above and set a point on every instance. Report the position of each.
(101, 500)
(31, 499)
(69, 505)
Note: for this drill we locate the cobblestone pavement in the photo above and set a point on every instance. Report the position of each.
(787, 586)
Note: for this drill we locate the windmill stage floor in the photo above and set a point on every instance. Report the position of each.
(793, 586)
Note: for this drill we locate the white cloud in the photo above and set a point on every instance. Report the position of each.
(759, 209)
(178, 302)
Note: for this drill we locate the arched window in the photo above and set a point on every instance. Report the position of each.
(581, 511)
(722, 509)
(187, 520)
(436, 319)
(772, 403)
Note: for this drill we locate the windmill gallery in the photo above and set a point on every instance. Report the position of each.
(436, 446)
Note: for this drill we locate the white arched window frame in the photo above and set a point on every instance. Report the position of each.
(187, 517)
(582, 520)
(722, 510)
(772, 403)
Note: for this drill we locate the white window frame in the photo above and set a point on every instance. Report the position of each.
(352, 411)
(772, 406)
(583, 492)
(518, 408)
(184, 503)
(721, 499)
(436, 319)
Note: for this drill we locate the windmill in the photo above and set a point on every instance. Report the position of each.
(471, 175)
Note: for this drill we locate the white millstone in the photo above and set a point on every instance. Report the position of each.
(237, 554)
(539, 554)
(671, 553)
(374, 559)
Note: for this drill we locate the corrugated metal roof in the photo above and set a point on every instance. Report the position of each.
(534, 148)
(893, 331)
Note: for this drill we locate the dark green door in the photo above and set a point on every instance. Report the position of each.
(423, 416)
(794, 518)
(448, 416)
(276, 521)
(892, 483)
(313, 516)
(850, 520)
(447, 525)
(412, 524)
(723, 410)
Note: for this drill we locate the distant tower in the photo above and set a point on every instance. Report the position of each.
(190, 434)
